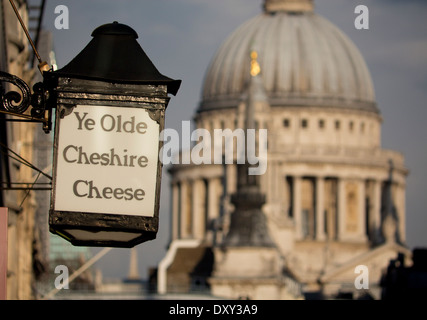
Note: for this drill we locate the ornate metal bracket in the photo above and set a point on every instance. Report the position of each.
(16, 104)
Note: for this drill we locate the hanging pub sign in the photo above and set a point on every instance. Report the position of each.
(110, 108)
(107, 161)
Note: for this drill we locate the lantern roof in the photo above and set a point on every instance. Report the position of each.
(114, 55)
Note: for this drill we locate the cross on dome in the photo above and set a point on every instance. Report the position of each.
(255, 68)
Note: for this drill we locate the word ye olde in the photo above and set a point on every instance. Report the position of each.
(109, 123)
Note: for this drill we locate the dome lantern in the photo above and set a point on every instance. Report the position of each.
(271, 6)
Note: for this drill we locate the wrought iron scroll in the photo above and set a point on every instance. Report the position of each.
(15, 103)
(10, 100)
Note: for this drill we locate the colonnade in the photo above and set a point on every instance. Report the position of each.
(321, 207)
(195, 205)
(342, 208)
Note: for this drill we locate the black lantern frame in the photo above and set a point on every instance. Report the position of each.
(96, 229)
(111, 71)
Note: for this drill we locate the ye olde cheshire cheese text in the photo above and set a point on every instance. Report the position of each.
(75, 154)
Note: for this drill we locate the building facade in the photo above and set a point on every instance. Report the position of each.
(334, 198)
(26, 151)
(23, 265)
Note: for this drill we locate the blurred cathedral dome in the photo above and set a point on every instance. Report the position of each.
(304, 58)
(329, 186)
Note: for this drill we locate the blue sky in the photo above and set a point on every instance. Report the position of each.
(181, 37)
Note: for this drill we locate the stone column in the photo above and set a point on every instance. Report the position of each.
(198, 199)
(399, 201)
(320, 209)
(213, 205)
(175, 211)
(231, 178)
(185, 206)
(361, 233)
(341, 208)
(297, 207)
(376, 211)
(213, 199)
(133, 265)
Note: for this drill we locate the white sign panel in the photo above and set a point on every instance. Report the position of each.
(107, 161)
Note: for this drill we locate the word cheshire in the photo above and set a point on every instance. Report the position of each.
(75, 154)
(218, 309)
